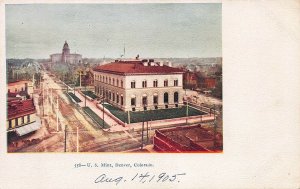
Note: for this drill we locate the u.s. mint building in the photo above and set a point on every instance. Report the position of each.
(135, 85)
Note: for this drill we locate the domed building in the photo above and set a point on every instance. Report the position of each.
(65, 56)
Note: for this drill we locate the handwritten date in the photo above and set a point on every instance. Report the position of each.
(140, 178)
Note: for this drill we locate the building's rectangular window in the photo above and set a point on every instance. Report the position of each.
(175, 82)
(113, 96)
(122, 100)
(144, 84)
(155, 83)
(121, 84)
(117, 83)
(113, 82)
(28, 118)
(133, 101)
(132, 84)
(22, 119)
(118, 99)
(9, 124)
(155, 99)
(16, 121)
(165, 83)
(106, 80)
(109, 80)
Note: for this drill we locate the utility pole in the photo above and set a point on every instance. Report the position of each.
(57, 114)
(128, 116)
(85, 97)
(77, 139)
(187, 108)
(65, 138)
(142, 135)
(215, 127)
(147, 133)
(103, 109)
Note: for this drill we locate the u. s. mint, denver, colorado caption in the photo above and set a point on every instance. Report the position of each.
(113, 165)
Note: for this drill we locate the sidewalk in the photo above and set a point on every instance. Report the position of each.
(92, 105)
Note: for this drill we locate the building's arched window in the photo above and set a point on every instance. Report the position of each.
(113, 96)
(155, 99)
(118, 100)
(132, 84)
(166, 98)
(165, 83)
(176, 97)
(144, 84)
(122, 100)
(133, 101)
(144, 100)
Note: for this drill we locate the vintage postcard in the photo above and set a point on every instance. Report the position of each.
(114, 78)
(140, 94)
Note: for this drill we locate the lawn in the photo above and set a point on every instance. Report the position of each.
(95, 117)
(90, 94)
(152, 114)
(74, 97)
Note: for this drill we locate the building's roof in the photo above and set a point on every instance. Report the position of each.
(18, 108)
(135, 67)
(19, 82)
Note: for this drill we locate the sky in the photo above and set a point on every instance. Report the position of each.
(102, 30)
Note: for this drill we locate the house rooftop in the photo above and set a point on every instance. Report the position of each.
(17, 108)
(137, 67)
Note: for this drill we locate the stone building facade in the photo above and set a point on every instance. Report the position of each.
(66, 56)
(135, 85)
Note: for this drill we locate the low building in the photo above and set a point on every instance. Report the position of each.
(134, 85)
(187, 139)
(21, 88)
(21, 116)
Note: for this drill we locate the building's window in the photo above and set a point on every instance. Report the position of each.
(9, 124)
(121, 84)
(155, 83)
(109, 95)
(113, 96)
(166, 83)
(132, 84)
(109, 80)
(133, 101)
(16, 121)
(155, 99)
(144, 101)
(28, 118)
(23, 120)
(176, 82)
(176, 97)
(122, 100)
(166, 98)
(118, 99)
(113, 82)
(144, 84)
(105, 79)
(117, 83)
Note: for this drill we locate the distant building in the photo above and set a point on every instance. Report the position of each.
(190, 80)
(186, 139)
(65, 56)
(134, 85)
(21, 116)
(20, 89)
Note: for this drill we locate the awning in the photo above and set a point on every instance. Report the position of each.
(29, 128)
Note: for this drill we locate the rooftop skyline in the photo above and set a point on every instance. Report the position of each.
(102, 30)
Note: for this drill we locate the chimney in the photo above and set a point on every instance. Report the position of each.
(170, 64)
(161, 63)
